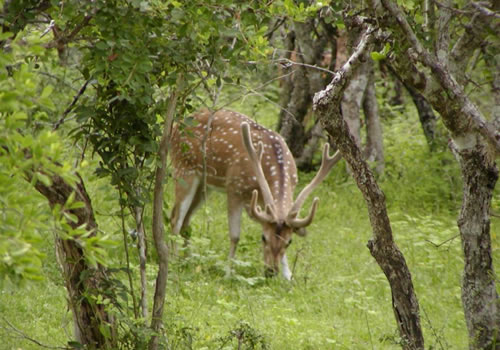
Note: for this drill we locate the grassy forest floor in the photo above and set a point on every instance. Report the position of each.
(338, 299)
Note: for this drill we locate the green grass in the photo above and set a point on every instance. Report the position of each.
(339, 298)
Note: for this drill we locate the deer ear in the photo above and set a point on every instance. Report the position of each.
(300, 231)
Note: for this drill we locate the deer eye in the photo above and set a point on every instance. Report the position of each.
(289, 242)
(264, 239)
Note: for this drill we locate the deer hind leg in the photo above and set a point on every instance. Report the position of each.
(188, 196)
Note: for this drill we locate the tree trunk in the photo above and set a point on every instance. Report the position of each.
(308, 46)
(82, 281)
(353, 94)
(479, 295)
(304, 162)
(476, 142)
(382, 246)
(295, 100)
(426, 116)
(158, 226)
(374, 148)
(425, 112)
(141, 247)
(398, 98)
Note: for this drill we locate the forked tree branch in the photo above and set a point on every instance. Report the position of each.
(61, 40)
(467, 116)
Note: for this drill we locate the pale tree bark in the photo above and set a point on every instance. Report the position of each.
(479, 295)
(83, 282)
(374, 148)
(355, 89)
(382, 246)
(360, 95)
(306, 46)
(158, 226)
(476, 143)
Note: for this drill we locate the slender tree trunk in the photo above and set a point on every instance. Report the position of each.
(295, 100)
(374, 148)
(398, 98)
(304, 162)
(426, 116)
(82, 281)
(309, 42)
(141, 246)
(158, 227)
(382, 246)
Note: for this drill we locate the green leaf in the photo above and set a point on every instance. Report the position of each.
(377, 56)
(44, 179)
(47, 91)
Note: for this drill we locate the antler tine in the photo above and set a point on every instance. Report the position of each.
(256, 211)
(327, 164)
(299, 223)
(256, 163)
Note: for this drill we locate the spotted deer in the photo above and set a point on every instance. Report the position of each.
(254, 166)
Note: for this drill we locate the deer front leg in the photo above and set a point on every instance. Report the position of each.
(234, 208)
(287, 274)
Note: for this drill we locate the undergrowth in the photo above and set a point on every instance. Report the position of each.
(338, 299)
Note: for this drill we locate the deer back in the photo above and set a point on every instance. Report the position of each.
(226, 160)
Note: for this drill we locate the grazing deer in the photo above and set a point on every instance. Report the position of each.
(266, 176)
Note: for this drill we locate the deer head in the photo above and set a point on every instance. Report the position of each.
(280, 219)
(256, 169)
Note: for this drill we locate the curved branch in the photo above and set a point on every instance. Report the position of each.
(467, 116)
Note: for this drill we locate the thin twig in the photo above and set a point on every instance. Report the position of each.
(485, 11)
(62, 40)
(434, 331)
(24, 336)
(452, 9)
(72, 104)
(444, 242)
(277, 24)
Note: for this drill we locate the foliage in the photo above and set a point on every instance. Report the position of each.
(24, 153)
(130, 54)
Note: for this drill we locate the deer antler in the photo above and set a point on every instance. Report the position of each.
(299, 223)
(327, 163)
(255, 158)
(265, 216)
